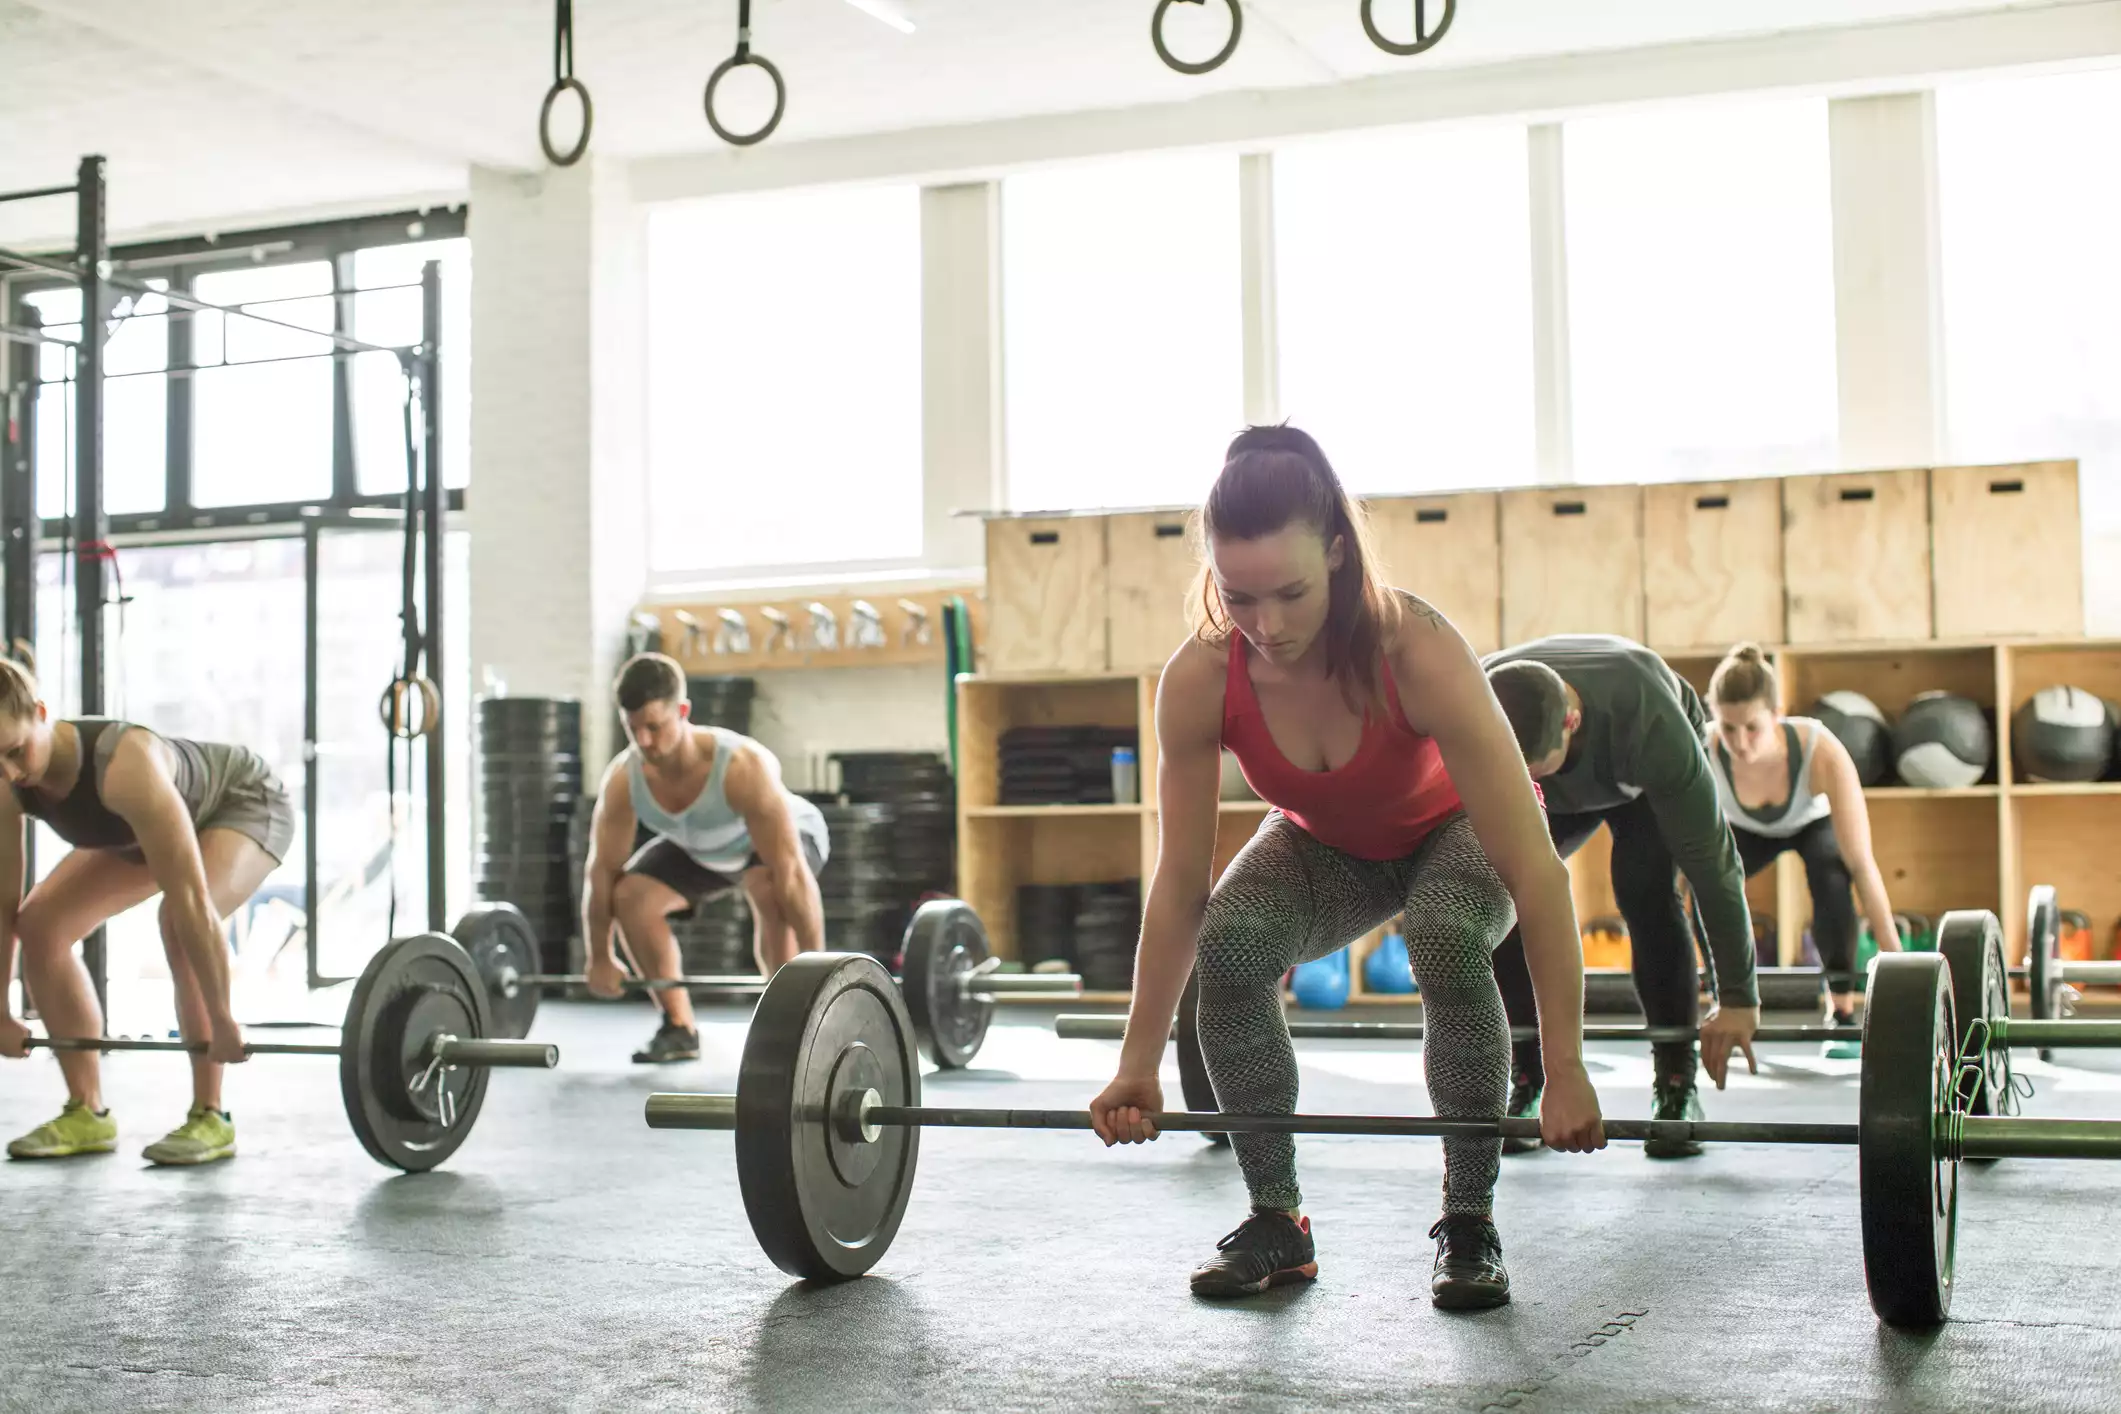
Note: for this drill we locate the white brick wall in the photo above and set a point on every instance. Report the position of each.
(557, 519)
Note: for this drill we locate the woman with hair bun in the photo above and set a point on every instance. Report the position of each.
(1783, 783)
(1361, 715)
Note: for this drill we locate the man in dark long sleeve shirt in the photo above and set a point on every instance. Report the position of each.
(1615, 738)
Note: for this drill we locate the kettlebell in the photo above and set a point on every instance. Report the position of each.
(1386, 968)
(1321, 985)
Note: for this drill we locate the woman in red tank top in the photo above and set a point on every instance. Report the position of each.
(1363, 718)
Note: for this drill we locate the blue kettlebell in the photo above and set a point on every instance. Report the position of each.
(1386, 968)
(1322, 985)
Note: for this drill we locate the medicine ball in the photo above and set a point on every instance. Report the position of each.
(1942, 742)
(1862, 728)
(2062, 734)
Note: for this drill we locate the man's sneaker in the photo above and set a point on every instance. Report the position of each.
(1267, 1249)
(1469, 1274)
(1673, 1098)
(1524, 1104)
(1848, 1047)
(670, 1043)
(205, 1137)
(77, 1130)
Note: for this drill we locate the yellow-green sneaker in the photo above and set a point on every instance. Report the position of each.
(205, 1137)
(77, 1130)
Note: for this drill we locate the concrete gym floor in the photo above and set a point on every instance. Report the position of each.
(570, 1258)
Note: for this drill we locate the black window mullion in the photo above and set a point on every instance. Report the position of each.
(178, 467)
(342, 321)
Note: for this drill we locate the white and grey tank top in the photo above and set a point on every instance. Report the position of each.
(1785, 817)
(710, 829)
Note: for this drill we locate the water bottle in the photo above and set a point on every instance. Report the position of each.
(1126, 777)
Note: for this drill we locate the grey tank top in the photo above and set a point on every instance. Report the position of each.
(1785, 817)
(205, 772)
(709, 829)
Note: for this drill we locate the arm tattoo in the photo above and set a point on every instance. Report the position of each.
(1423, 611)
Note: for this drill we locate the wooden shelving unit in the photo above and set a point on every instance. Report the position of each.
(1977, 847)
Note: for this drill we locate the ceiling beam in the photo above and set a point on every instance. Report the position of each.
(1837, 61)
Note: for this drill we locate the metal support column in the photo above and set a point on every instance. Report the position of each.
(91, 525)
(430, 516)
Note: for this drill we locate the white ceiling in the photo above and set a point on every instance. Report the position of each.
(220, 112)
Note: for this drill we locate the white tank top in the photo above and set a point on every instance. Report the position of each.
(710, 829)
(1785, 817)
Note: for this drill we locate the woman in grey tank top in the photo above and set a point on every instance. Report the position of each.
(200, 823)
(1787, 783)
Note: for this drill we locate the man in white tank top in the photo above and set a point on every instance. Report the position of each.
(721, 819)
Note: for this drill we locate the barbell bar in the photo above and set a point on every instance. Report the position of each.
(413, 1055)
(443, 1047)
(827, 1119)
(1071, 1026)
(948, 972)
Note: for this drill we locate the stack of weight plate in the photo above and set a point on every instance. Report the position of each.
(894, 843)
(1108, 923)
(894, 775)
(528, 762)
(722, 701)
(1045, 923)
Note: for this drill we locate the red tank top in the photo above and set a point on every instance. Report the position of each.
(1381, 805)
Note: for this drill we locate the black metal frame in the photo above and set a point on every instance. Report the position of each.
(91, 530)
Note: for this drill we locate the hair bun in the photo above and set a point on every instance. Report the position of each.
(1277, 437)
(1749, 653)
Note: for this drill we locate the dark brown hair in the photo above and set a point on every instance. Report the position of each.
(1536, 701)
(1744, 675)
(646, 678)
(1274, 477)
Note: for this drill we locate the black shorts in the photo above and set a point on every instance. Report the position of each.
(667, 862)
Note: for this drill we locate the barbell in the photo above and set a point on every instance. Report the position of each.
(827, 1119)
(413, 1054)
(949, 973)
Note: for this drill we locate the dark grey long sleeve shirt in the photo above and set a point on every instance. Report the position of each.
(1642, 736)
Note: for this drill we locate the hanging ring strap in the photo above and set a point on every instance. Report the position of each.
(401, 719)
(737, 60)
(564, 81)
(1424, 37)
(1208, 65)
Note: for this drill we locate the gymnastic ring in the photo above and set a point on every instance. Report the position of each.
(392, 708)
(1156, 37)
(780, 99)
(581, 145)
(1421, 42)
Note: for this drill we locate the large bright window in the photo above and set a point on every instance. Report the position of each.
(1701, 291)
(784, 379)
(262, 427)
(135, 405)
(2031, 219)
(1122, 330)
(1403, 273)
(387, 311)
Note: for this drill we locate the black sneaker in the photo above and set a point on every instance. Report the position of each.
(1267, 1249)
(670, 1043)
(1673, 1098)
(1524, 1104)
(1469, 1274)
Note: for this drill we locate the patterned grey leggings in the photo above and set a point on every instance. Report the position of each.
(1285, 899)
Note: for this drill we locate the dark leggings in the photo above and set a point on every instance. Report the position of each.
(1832, 886)
(1660, 937)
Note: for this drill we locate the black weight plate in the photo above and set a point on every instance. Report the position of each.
(820, 1213)
(502, 941)
(411, 988)
(943, 943)
(1971, 941)
(1910, 1191)
(2043, 939)
(1193, 1082)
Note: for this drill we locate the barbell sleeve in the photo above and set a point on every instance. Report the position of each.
(2059, 1035)
(515, 1055)
(2017, 1137)
(669, 1111)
